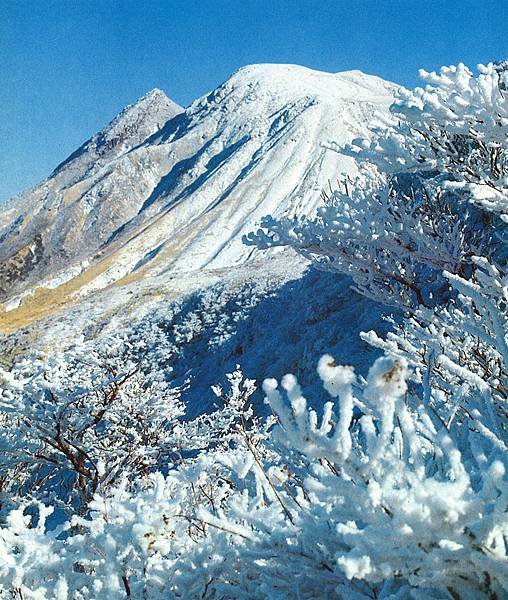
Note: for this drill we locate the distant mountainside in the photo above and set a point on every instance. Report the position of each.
(162, 190)
(72, 213)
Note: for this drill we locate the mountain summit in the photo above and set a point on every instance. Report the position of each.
(164, 190)
(126, 131)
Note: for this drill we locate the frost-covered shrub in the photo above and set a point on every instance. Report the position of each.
(456, 125)
(438, 248)
(396, 501)
(460, 354)
(438, 198)
(394, 240)
(139, 538)
(384, 506)
(83, 421)
(439, 251)
(72, 424)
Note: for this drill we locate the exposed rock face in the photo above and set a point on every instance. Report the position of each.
(162, 189)
(70, 214)
(127, 131)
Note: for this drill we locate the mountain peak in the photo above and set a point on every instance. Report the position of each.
(155, 99)
(162, 189)
(136, 122)
(289, 80)
(130, 128)
(156, 93)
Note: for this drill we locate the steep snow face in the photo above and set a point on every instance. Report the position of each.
(181, 198)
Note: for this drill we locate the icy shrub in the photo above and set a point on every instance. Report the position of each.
(433, 194)
(371, 500)
(74, 423)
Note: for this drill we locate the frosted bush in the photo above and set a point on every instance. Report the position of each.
(439, 196)
(73, 423)
(460, 354)
(384, 505)
(457, 125)
(426, 233)
(397, 257)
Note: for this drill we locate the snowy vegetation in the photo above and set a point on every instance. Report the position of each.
(396, 487)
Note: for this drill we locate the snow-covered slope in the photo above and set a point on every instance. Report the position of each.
(137, 236)
(252, 147)
(163, 190)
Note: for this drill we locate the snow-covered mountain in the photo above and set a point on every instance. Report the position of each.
(133, 245)
(162, 190)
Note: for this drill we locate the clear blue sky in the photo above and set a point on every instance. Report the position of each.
(67, 67)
